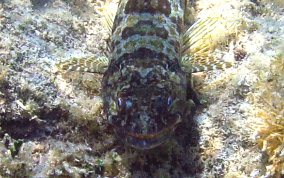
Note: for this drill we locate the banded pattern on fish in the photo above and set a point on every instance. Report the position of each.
(145, 87)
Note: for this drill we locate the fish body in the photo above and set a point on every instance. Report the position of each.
(144, 87)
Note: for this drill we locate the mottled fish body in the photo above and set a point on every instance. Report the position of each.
(144, 88)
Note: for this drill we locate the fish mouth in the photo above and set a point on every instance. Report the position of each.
(145, 141)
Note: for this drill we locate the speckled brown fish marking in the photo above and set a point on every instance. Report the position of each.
(144, 88)
(145, 85)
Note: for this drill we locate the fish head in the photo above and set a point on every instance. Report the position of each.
(146, 109)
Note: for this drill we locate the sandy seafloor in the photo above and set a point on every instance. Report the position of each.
(52, 124)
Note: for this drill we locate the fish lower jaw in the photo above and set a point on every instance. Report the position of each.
(144, 141)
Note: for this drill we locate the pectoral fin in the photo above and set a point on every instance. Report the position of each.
(93, 65)
(198, 63)
(108, 12)
(199, 41)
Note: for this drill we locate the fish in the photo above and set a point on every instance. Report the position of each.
(146, 88)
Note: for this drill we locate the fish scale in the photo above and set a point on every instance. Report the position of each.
(146, 87)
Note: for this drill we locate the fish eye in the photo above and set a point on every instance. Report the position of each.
(128, 104)
(120, 102)
(124, 104)
(170, 100)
